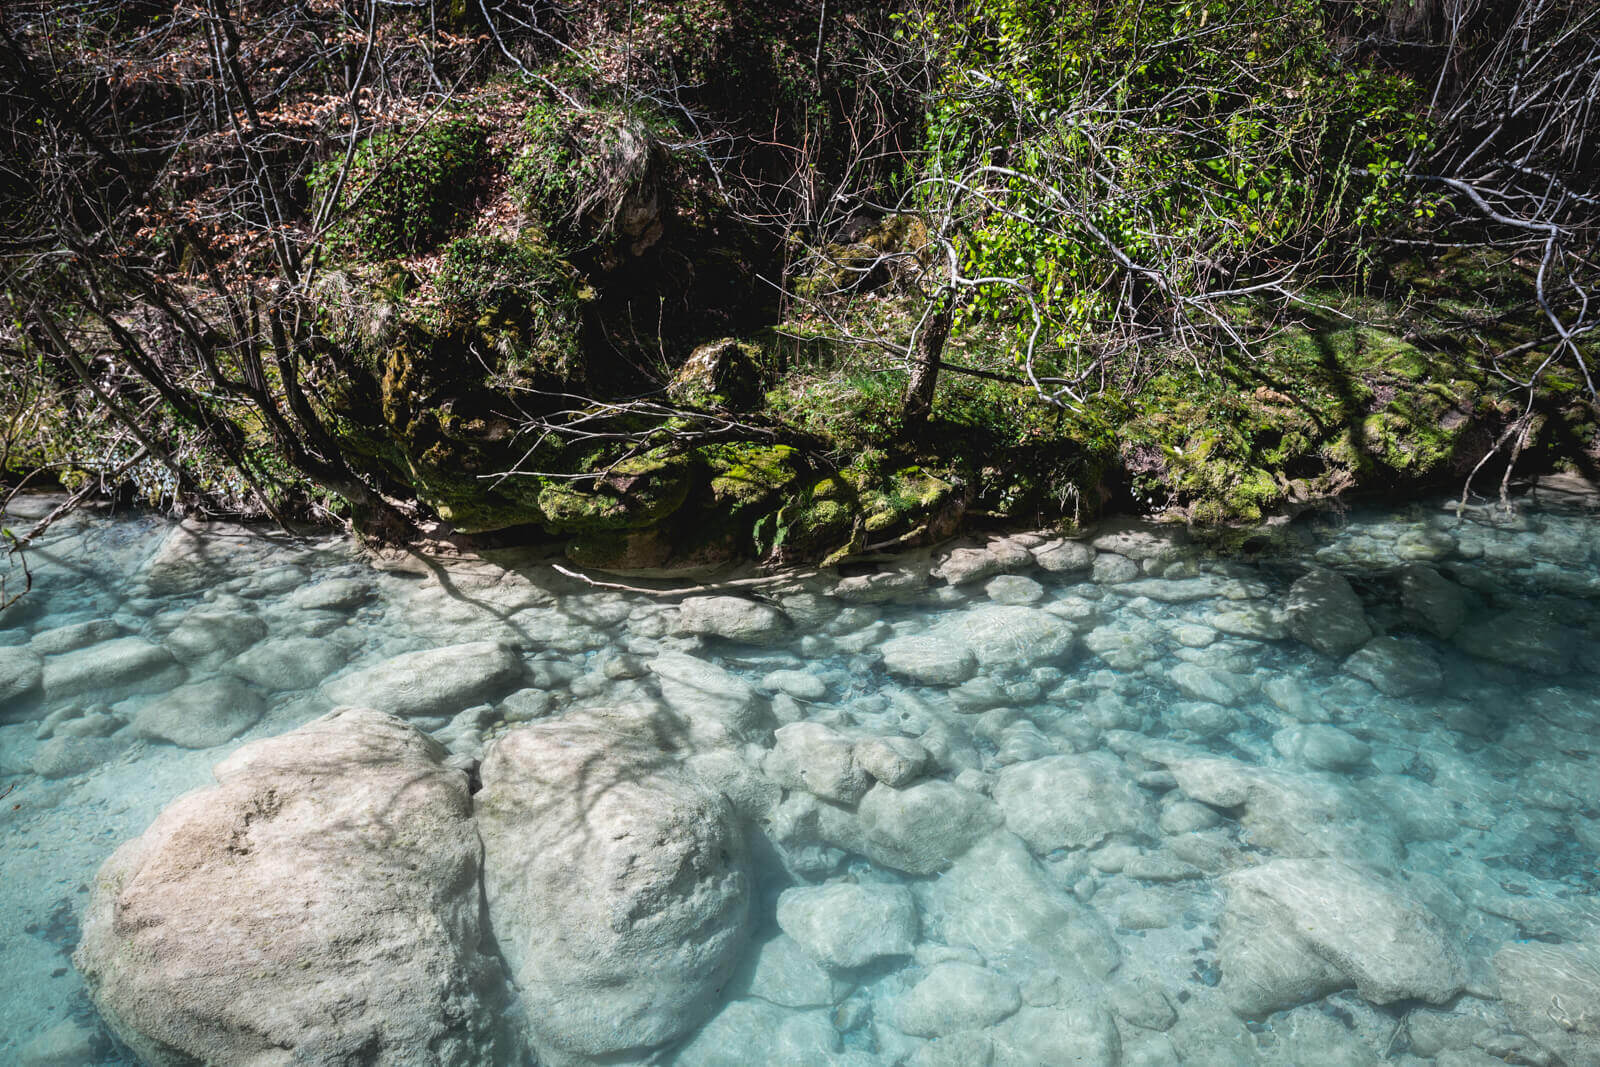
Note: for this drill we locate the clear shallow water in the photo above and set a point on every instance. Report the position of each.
(1158, 786)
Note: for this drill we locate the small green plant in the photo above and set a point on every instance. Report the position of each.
(407, 189)
(523, 300)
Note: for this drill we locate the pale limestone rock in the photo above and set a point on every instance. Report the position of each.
(1362, 930)
(1397, 666)
(955, 996)
(845, 924)
(817, 759)
(997, 899)
(1060, 557)
(619, 887)
(1072, 801)
(125, 666)
(432, 682)
(336, 864)
(929, 660)
(1323, 611)
(733, 618)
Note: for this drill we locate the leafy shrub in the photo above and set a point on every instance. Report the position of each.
(407, 190)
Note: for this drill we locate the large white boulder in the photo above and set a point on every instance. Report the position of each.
(334, 867)
(619, 886)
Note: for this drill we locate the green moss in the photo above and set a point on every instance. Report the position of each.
(407, 189)
(745, 476)
(634, 494)
(902, 501)
(817, 521)
(522, 303)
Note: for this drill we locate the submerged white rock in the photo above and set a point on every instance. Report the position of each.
(1323, 611)
(334, 865)
(619, 886)
(845, 924)
(1296, 929)
(733, 618)
(433, 681)
(1072, 801)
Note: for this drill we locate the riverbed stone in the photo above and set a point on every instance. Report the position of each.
(1067, 1034)
(1125, 645)
(802, 685)
(1072, 801)
(196, 555)
(751, 1031)
(200, 714)
(964, 565)
(1013, 589)
(285, 663)
(1365, 931)
(1291, 813)
(1528, 638)
(1432, 602)
(846, 924)
(817, 759)
(1062, 557)
(1319, 745)
(923, 827)
(1396, 666)
(1323, 611)
(333, 865)
(719, 707)
(1003, 636)
(1552, 994)
(618, 885)
(208, 637)
(955, 996)
(733, 618)
(332, 594)
(21, 675)
(1111, 568)
(929, 660)
(74, 636)
(997, 899)
(63, 757)
(780, 971)
(1213, 686)
(127, 665)
(431, 682)
(892, 760)
(1260, 622)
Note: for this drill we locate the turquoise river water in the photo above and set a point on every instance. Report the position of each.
(1330, 797)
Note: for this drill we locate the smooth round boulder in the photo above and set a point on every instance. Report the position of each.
(318, 905)
(618, 886)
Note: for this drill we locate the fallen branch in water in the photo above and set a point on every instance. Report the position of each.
(710, 587)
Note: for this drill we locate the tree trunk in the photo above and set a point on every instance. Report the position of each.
(925, 356)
